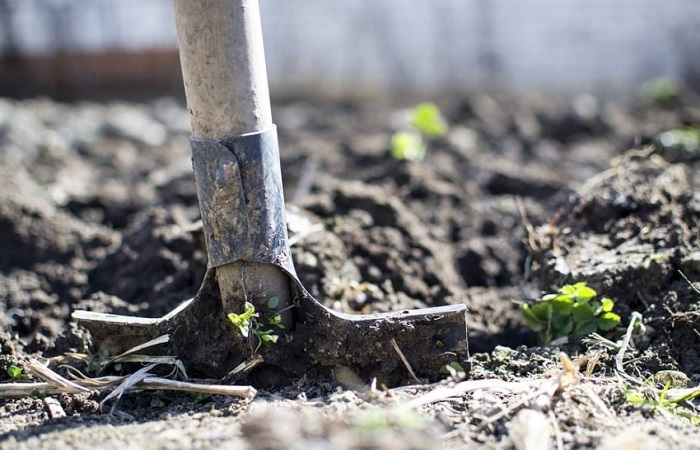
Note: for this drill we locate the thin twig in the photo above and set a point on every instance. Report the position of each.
(689, 283)
(16, 390)
(8, 390)
(405, 361)
(214, 389)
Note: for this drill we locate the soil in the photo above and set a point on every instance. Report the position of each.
(98, 211)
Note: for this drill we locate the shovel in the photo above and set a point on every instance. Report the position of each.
(251, 279)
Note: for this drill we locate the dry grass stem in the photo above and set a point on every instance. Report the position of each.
(142, 381)
(128, 383)
(619, 358)
(15, 390)
(244, 367)
(405, 361)
(153, 342)
(64, 385)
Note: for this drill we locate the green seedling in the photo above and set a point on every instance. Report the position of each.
(683, 138)
(14, 372)
(574, 309)
(200, 397)
(660, 402)
(425, 122)
(276, 321)
(661, 90)
(247, 323)
(98, 360)
(407, 146)
(243, 321)
(36, 393)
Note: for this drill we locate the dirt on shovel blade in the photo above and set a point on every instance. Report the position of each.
(98, 211)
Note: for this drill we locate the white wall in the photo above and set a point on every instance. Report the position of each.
(426, 45)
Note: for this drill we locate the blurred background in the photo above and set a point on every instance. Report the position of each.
(73, 49)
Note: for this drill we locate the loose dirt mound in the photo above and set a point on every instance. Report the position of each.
(98, 211)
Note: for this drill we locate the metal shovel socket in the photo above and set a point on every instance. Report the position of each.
(242, 204)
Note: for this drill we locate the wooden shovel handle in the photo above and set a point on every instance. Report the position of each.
(223, 66)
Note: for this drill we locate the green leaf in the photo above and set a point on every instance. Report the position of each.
(273, 302)
(606, 305)
(569, 289)
(427, 119)
(581, 291)
(587, 327)
(36, 393)
(407, 146)
(607, 321)
(635, 397)
(241, 322)
(562, 325)
(276, 320)
(531, 319)
(14, 372)
(249, 311)
(236, 319)
(582, 312)
(268, 338)
(562, 304)
(543, 310)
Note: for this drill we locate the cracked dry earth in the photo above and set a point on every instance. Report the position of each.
(98, 211)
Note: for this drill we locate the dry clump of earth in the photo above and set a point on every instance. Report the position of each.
(98, 211)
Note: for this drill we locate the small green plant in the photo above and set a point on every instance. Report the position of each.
(685, 138)
(200, 397)
(425, 122)
(247, 322)
(14, 372)
(426, 118)
(574, 309)
(661, 90)
(407, 146)
(661, 402)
